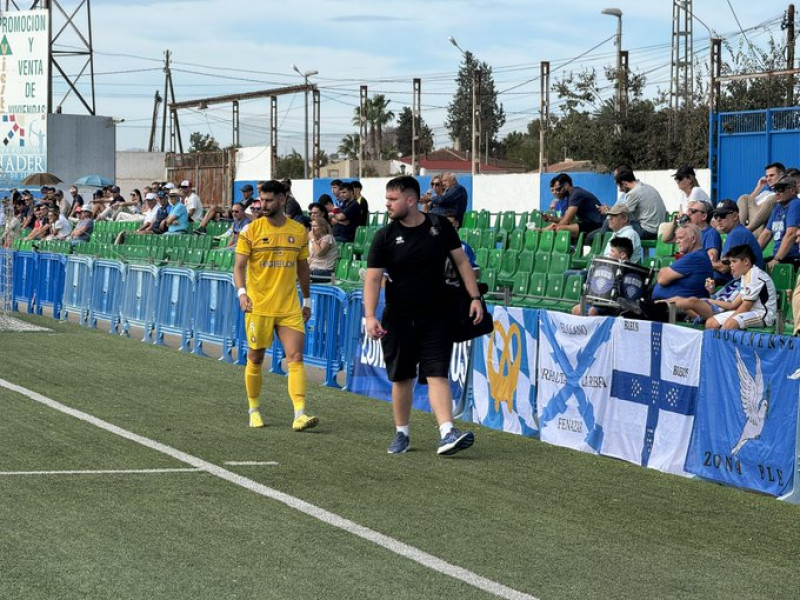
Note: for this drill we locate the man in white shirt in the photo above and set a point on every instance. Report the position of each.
(194, 205)
(618, 217)
(61, 228)
(756, 207)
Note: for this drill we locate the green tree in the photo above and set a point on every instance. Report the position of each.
(349, 146)
(459, 112)
(202, 143)
(378, 116)
(290, 165)
(404, 133)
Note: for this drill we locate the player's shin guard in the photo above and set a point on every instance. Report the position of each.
(297, 387)
(252, 383)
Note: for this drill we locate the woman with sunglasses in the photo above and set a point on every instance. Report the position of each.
(698, 213)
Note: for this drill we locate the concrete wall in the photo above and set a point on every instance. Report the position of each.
(139, 169)
(79, 145)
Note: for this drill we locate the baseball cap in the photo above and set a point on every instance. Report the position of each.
(725, 207)
(150, 196)
(161, 194)
(186, 183)
(247, 188)
(618, 209)
(784, 182)
(684, 172)
(169, 185)
(86, 208)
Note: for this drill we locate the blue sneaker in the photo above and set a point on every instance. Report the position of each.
(400, 443)
(455, 441)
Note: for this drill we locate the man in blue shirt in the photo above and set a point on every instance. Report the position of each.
(583, 212)
(783, 223)
(178, 219)
(454, 199)
(726, 220)
(686, 277)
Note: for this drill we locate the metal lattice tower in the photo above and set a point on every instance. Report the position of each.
(681, 88)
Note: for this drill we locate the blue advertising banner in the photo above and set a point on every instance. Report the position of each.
(369, 371)
(504, 372)
(745, 429)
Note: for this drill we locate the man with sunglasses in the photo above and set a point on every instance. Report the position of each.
(783, 223)
(698, 213)
(726, 220)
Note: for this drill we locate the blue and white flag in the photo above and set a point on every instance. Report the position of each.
(654, 388)
(504, 372)
(745, 432)
(575, 356)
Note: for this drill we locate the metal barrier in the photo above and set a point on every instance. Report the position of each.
(50, 283)
(324, 331)
(24, 286)
(351, 332)
(77, 288)
(108, 285)
(216, 309)
(138, 306)
(174, 305)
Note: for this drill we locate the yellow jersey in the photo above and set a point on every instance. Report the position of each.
(272, 255)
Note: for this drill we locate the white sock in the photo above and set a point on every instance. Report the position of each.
(402, 429)
(445, 428)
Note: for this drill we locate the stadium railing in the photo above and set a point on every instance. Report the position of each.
(138, 305)
(105, 299)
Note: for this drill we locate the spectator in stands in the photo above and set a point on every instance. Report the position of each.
(453, 199)
(159, 225)
(14, 225)
(60, 227)
(76, 202)
(133, 208)
(28, 215)
(322, 250)
(582, 212)
(726, 220)
(178, 220)
(336, 186)
(698, 213)
(464, 246)
(756, 207)
(757, 300)
(686, 277)
(39, 228)
(292, 207)
(240, 219)
(219, 213)
(192, 202)
(362, 203)
(646, 208)
(112, 202)
(345, 218)
(329, 204)
(783, 224)
(619, 222)
(85, 227)
(433, 194)
(619, 248)
(317, 210)
(254, 210)
(689, 188)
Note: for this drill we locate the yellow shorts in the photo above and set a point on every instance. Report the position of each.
(260, 329)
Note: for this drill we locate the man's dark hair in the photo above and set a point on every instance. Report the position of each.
(357, 184)
(793, 172)
(625, 175)
(623, 167)
(776, 165)
(403, 183)
(336, 183)
(323, 200)
(346, 186)
(742, 251)
(623, 244)
(273, 185)
(562, 178)
(319, 204)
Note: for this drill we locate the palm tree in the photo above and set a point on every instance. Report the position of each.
(370, 141)
(380, 117)
(349, 145)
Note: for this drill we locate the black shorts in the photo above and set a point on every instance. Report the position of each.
(411, 340)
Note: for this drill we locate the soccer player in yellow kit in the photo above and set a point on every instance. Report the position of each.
(270, 259)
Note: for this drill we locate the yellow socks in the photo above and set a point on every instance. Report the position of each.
(252, 383)
(297, 387)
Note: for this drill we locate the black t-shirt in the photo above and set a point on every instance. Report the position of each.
(347, 233)
(414, 258)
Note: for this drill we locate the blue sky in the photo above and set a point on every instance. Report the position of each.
(228, 46)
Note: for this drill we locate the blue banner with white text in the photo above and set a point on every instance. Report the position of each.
(745, 429)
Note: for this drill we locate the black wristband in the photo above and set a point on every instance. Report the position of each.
(476, 297)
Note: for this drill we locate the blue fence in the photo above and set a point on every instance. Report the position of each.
(77, 288)
(108, 283)
(138, 305)
(742, 143)
(51, 269)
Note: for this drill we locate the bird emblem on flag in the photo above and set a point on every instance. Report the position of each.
(755, 403)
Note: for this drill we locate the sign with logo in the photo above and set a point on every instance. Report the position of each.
(369, 371)
(745, 430)
(574, 379)
(654, 384)
(24, 74)
(504, 372)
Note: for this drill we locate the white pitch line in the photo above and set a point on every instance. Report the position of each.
(102, 472)
(415, 554)
(251, 463)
